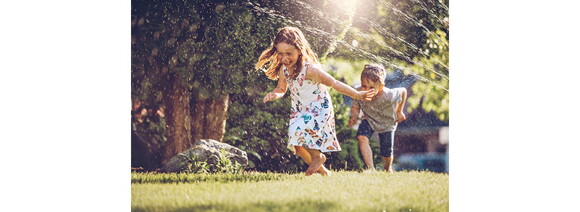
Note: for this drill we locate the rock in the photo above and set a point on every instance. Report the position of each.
(206, 150)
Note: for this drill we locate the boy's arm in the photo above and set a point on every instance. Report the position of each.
(316, 74)
(280, 89)
(400, 105)
(354, 111)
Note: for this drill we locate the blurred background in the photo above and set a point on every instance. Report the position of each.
(193, 76)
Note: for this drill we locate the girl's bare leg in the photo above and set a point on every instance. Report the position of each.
(300, 151)
(317, 160)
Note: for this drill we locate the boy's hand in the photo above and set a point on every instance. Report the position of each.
(401, 117)
(352, 121)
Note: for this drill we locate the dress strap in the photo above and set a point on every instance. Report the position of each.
(306, 64)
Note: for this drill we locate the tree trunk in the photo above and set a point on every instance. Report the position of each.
(198, 118)
(179, 136)
(209, 118)
(215, 120)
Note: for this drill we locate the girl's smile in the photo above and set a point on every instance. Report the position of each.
(287, 54)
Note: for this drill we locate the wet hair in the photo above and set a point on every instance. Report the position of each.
(374, 72)
(292, 36)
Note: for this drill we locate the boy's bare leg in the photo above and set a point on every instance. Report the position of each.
(317, 160)
(388, 164)
(300, 151)
(365, 150)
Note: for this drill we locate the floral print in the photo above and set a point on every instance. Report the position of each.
(311, 116)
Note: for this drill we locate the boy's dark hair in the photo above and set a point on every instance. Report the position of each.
(374, 72)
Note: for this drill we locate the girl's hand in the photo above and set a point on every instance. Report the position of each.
(401, 117)
(366, 95)
(352, 121)
(269, 97)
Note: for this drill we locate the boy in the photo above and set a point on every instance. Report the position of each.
(381, 115)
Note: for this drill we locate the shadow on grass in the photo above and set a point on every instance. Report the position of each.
(281, 207)
(263, 206)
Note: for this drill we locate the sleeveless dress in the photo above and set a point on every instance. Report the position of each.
(312, 116)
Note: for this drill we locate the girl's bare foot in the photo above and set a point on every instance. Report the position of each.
(315, 164)
(368, 171)
(323, 171)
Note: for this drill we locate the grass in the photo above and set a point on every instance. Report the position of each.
(343, 191)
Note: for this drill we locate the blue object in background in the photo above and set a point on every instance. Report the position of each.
(435, 162)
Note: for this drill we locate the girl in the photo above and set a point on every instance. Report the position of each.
(291, 61)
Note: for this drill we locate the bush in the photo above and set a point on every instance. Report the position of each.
(223, 165)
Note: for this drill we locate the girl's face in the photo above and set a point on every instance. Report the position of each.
(287, 54)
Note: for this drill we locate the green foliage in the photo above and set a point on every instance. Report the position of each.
(433, 88)
(324, 23)
(348, 71)
(230, 47)
(152, 129)
(193, 165)
(148, 137)
(408, 35)
(209, 46)
(160, 31)
(261, 129)
(224, 164)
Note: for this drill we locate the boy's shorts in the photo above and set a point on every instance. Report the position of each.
(387, 139)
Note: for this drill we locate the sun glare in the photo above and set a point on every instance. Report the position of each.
(350, 6)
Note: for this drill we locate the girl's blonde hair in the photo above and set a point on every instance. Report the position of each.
(292, 36)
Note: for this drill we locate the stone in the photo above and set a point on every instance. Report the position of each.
(207, 150)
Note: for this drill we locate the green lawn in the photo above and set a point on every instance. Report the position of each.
(343, 191)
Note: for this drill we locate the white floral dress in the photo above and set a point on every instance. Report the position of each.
(312, 116)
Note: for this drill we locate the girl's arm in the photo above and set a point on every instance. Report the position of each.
(280, 89)
(318, 75)
(399, 109)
